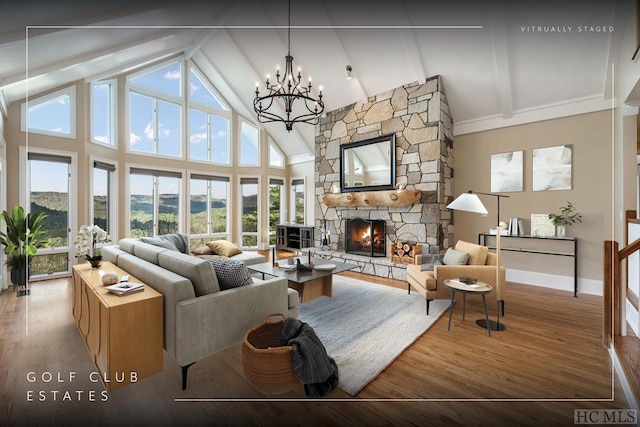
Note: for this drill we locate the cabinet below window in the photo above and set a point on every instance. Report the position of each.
(293, 237)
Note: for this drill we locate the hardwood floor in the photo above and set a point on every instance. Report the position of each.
(548, 363)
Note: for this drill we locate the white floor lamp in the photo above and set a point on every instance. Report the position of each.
(470, 202)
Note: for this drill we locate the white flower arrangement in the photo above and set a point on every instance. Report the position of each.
(86, 240)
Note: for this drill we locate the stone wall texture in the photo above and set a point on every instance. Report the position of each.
(418, 114)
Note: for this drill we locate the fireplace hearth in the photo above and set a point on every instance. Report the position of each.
(365, 237)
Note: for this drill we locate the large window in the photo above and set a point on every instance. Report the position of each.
(49, 178)
(209, 207)
(103, 112)
(275, 207)
(249, 144)
(276, 158)
(297, 199)
(53, 114)
(154, 202)
(249, 200)
(103, 209)
(155, 111)
(208, 137)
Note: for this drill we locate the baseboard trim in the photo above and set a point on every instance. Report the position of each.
(564, 283)
(626, 388)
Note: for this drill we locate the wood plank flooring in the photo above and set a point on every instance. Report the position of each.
(548, 363)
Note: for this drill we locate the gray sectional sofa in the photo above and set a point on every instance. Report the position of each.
(199, 318)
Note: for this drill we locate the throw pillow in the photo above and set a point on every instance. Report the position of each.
(202, 250)
(231, 273)
(429, 266)
(157, 241)
(224, 248)
(453, 257)
(180, 241)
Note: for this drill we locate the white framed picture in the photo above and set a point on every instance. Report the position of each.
(552, 168)
(506, 172)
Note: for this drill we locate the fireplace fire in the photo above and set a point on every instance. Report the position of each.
(365, 237)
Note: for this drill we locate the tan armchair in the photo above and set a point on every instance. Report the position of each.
(481, 266)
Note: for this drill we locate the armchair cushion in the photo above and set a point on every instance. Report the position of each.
(477, 253)
(455, 257)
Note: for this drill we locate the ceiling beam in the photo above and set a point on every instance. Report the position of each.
(343, 56)
(499, 38)
(87, 58)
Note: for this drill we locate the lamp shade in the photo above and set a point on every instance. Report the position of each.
(468, 202)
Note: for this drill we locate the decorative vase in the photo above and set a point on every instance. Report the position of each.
(95, 263)
(560, 230)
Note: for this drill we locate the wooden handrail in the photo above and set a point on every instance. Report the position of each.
(628, 250)
(611, 322)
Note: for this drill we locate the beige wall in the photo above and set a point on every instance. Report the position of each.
(590, 135)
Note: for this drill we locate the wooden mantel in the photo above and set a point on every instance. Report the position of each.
(372, 198)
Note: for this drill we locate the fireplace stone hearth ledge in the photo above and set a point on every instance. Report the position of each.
(375, 266)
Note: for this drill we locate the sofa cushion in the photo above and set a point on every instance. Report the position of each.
(477, 253)
(230, 273)
(293, 298)
(127, 244)
(197, 270)
(455, 257)
(224, 248)
(148, 252)
(250, 257)
(157, 241)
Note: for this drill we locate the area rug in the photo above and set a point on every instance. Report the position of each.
(366, 326)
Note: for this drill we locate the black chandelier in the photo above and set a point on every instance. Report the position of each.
(288, 90)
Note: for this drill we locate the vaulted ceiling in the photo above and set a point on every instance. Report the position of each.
(502, 63)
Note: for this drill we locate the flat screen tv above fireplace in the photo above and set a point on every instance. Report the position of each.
(365, 237)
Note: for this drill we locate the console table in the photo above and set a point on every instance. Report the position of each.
(293, 237)
(123, 334)
(509, 245)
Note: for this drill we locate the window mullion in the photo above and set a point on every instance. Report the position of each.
(156, 130)
(156, 205)
(209, 141)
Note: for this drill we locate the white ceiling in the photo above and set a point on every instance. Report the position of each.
(497, 70)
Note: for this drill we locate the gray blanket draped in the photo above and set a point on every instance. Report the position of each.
(311, 364)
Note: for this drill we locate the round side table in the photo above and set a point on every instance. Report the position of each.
(479, 288)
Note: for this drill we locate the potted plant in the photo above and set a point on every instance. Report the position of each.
(87, 239)
(23, 237)
(568, 216)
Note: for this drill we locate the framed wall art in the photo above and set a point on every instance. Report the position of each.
(552, 168)
(506, 172)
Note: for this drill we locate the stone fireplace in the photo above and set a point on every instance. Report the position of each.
(365, 237)
(418, 115)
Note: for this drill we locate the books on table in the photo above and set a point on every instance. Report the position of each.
(125, 288)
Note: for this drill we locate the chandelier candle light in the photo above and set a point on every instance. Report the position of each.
(288, 88)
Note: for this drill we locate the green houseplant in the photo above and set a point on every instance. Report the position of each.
(569, 215)
(23, 237)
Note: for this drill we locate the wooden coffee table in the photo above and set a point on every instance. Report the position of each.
(309, 284)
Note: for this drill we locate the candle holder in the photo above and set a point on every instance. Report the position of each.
(325, 235)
